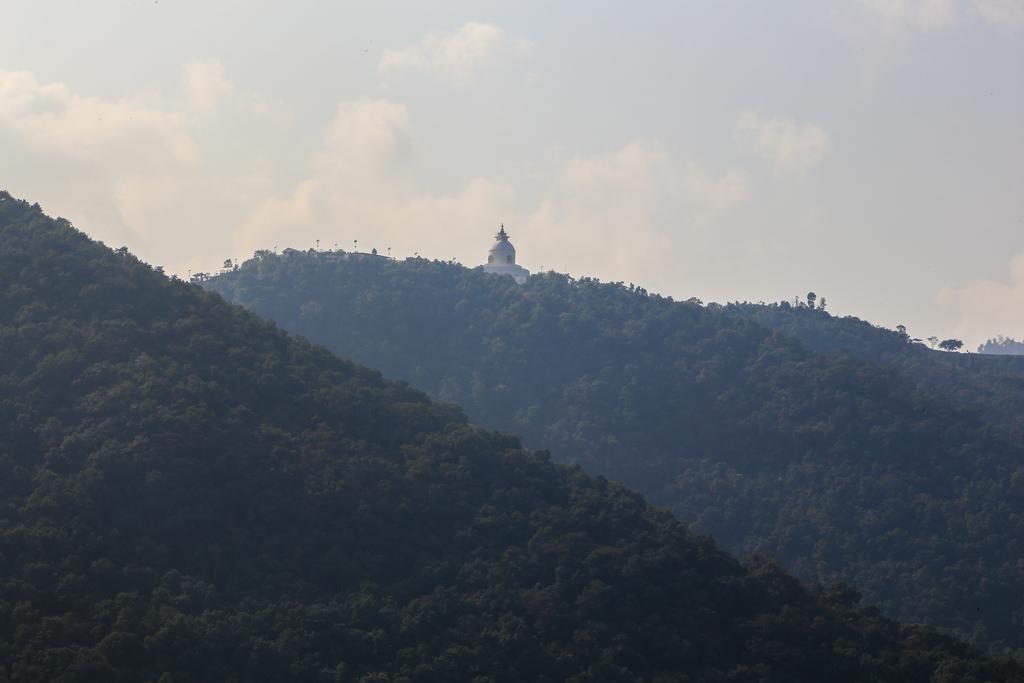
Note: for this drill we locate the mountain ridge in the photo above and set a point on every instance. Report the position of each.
(839, 467)
(190, 494)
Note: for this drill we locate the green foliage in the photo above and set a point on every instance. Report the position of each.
(993, 386)
(838, 464)
(188, 494)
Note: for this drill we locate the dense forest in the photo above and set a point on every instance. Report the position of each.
(844, 452)
(995, 385)
(189, 494)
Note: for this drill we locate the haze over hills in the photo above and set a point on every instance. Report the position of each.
(333, 465)
(189, 494)
(885, 465)
(983, 381)
(1002, 346)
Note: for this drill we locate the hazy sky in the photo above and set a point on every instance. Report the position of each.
(869, 150)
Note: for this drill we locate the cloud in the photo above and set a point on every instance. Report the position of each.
(183, 182)
(917, 14)
(789, 146)
(1001, 13)
(643, 177)
(619, 215)
(629, 214)
(206, 85)
(136, 170)
(366, 141)
(51, 118)
(456, 56)
(361, 185)
(208, 92)
(987, 307)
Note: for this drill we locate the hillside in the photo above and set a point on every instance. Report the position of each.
(837, 466)
(990, 383)
(188, 494)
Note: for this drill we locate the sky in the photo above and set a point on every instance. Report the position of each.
(869, 150)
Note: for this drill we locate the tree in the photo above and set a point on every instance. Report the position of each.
(569, 397)
(933, 340)
(1002, 346)
(140, 565)
(902, 331)
(811, 298)
(951, 344)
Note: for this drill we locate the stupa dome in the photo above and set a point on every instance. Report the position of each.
(502, 250)
(501, 258)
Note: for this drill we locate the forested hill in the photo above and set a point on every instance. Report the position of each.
(839, 468)
(188, 494)
(990, 383)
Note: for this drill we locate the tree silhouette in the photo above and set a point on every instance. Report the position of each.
(951, 344)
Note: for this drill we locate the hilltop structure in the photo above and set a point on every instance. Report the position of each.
(501, 259)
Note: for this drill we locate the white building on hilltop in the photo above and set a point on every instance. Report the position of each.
(501, 259)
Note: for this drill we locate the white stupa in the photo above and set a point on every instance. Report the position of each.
(501, 259)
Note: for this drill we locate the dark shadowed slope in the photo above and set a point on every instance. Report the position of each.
(839, 468)
(187, 494)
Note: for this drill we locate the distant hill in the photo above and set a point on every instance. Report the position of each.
(1002, 346)
(841, 464)
(188, 494)
(993, 385)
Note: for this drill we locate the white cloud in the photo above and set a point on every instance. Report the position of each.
(1002, 13)
(456, 55)
(366, 141)
(789, 146)
(182, 182)
(916, 14)
(361, 186)
(135, 170)
(631, 214)
(620, 215)
(643, 177)
(987, 307)
(50, 117)
(206, 85)
(209, 92)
